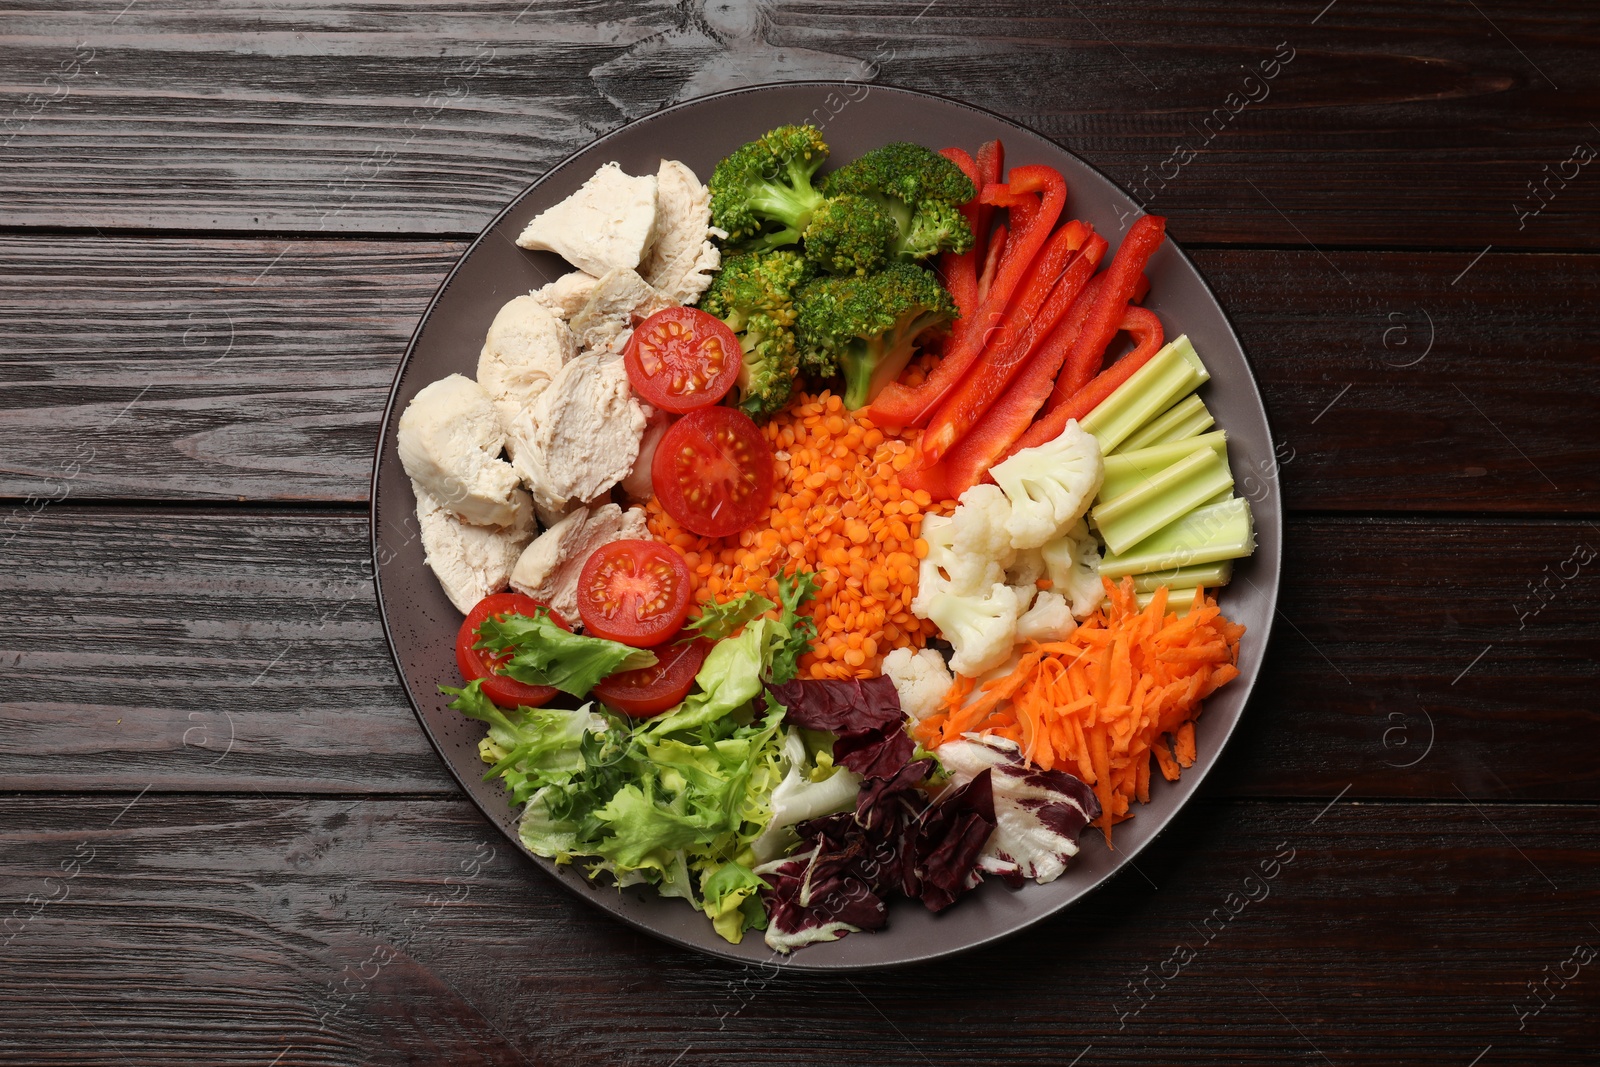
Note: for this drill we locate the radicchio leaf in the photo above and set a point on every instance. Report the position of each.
(841, 706)
(864, 712)
(886, 811)
(847, 864)
(878, 753)
(1039, 814)
(950, 835)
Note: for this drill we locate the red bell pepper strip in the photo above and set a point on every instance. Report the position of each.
(1007, 419)
(991, 165)
(1122, 279)
(901, 405)
(991, 262)
(1058, 276)
(1149, 336)
(960, 272)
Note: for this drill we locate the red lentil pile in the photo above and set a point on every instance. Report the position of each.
(838, 511)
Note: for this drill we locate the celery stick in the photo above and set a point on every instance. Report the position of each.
(1155, 502)
(1226, 494)
(1124, 470)
(1171, 373)
(1189, 417)
(1210, 575)
(1205, 535)
(1179, 600)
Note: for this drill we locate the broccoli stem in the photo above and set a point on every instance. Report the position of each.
(1155, 502)
(1205, 535)
(793, 207)
(1173, 372)
(1189, 417)
(867, 372)
(1126, 470)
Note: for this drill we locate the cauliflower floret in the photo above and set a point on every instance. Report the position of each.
(968, 550)
(1073, 560)
(1023, 576)
(1050, 486)
(1050, 619)
(921, 679)
(972, 543)
(981, 629)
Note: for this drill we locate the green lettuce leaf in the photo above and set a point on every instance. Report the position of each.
(545, 654)
(528, 747)
(679, 801)
(798, 630)
(720, 621)
(730, 895)
(729, 678)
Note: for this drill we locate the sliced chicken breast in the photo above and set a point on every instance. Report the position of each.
(615, 306)
(608, 223)
(471, 561)
(639, 484)
(682, 258)
(581, 436)
(526, 346)
(450, 438)
(568, 293)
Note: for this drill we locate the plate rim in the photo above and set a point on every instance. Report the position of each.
(801, 960)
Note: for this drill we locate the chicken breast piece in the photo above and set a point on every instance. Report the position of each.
(682, 258)
(527, 345)
(471, 561)
(608, 223)
(618, 302)
(581, 436)
(640, 484)
(549, 567)
(450, 438)
(568, 293)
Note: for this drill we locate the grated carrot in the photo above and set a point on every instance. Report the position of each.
(838, 510)
(1123, 689)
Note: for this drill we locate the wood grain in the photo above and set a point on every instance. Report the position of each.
(137, 643)
(1393, 124)
(227, 930)
(230, 369)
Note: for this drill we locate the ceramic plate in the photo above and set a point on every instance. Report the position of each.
(854, 117)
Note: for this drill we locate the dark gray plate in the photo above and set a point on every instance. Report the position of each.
(421, 624)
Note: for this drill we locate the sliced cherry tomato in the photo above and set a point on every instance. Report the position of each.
(650, 690)
(682, 358)
(478, 663)
(636, 592)
(713, 471)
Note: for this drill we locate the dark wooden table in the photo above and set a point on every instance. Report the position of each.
(225, 838)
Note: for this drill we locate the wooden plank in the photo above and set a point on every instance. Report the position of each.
(171, 369)
(1388, 124)
(176, 369)
(231, 930)
(136, 643)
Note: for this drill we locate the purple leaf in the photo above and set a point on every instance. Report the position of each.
(1039, 814)
(950, 836)
(841, 706)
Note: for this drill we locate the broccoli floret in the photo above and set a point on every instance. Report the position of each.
(936, 226)
(865, 326)
(753, 294)
(850, 234)
(920, 190)
(763, 194)
(906, 171)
